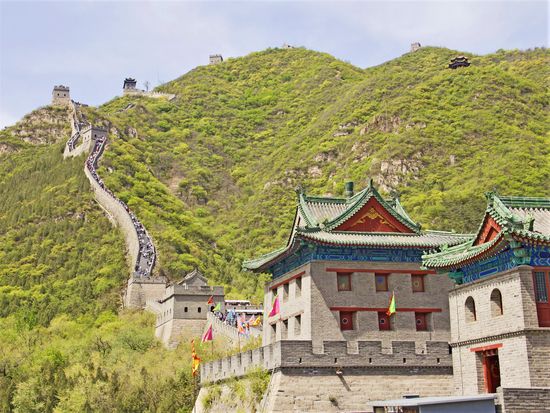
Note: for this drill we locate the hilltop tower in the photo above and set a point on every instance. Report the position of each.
(415, 46)
(61, 96)
(215, 59)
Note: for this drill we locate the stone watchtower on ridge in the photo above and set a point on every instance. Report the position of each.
(61, 95)
(415, 46)
(215, 59)
(129, 86)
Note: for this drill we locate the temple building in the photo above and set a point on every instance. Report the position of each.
(184, 307)
(500, 308)
(459, 61)
(343, 261)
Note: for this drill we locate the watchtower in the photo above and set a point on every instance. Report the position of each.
(215, 59)
(129, 86)
(184, 306)
(415, 46)
(61, 95)
(459, 61)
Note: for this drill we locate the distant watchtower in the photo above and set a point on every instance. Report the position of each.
(60, 95)
(215, 59)
(459, 61)
(415, 46)
(129, 86)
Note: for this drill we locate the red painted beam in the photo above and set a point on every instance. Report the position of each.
(348, 270)
(399, 309)
(485, 348)
(287, 280)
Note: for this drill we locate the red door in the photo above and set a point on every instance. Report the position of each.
(346, 320)
(491, 370)
(541, 278)
(383, 321)
(420, 319)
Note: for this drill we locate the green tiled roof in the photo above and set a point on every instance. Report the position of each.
(329, 213)
(317, 217)
(520, 218)
(424, 240)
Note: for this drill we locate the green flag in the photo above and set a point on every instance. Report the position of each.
(218, 307)
(391, 308)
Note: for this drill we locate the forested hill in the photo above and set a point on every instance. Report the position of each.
(212, 173)
(240, 136)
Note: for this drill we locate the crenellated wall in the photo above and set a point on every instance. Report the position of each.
(341, 354)
(345, 376)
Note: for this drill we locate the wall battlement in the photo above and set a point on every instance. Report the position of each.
(336, 354)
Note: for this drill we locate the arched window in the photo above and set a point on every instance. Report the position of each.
(496, 303)
(199, 309)
(470, 307)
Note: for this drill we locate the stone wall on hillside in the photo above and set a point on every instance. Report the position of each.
(120, 216)
(324, 390)
(402, 355)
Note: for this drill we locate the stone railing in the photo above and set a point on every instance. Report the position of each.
(232, 333)
(335, 354)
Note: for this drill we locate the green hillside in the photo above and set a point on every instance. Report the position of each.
(212, 173)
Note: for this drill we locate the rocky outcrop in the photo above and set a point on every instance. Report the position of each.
(394, 171)
(43, 126)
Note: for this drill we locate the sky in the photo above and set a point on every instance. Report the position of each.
(91, 46)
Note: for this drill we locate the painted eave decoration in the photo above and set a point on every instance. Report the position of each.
(508, 222)
(365, 219)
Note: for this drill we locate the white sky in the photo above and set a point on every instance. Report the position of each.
(92, 46)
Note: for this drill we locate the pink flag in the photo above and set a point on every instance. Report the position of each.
(275, 310)
(208, 336)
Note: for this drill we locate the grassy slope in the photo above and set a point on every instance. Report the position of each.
(240, 136)
(212, 175)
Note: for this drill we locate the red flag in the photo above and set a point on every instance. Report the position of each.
(208, 336)
(210, 300)
(275, 309)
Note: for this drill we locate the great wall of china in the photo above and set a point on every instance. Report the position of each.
(144, 290)
(142, 285)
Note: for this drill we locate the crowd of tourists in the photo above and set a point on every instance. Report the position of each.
(146, 255)
(238, 320)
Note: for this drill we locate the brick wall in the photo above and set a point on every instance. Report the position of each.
(402, 355)
(298, 302)
(525, 400)
(524, 351)
(322, 390)
(319, 297)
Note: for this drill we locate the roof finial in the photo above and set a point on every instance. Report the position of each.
(299, 189)
(371, 183)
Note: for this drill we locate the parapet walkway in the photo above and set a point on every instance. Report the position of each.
(139, 243)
